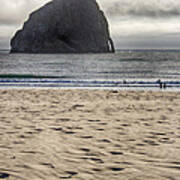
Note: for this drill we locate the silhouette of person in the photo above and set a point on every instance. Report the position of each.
(164, 86)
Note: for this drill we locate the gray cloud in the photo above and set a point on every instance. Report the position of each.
(133, 23)
(142, 8)
(12, 15)
(13, 12)
(16, 11)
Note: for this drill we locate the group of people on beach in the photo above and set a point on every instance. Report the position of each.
(162, 85)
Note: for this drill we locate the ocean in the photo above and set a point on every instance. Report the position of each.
(90, 134)
(129, 69)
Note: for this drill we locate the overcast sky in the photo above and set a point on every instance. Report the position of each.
(133, 23)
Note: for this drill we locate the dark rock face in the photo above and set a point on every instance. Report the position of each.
(64, 26)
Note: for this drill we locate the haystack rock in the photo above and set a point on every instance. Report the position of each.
(64, 26)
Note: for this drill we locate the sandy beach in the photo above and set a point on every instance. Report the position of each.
(89, 135)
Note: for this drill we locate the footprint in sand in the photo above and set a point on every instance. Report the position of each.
(4, 175)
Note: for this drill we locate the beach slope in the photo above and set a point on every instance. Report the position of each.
(89, 134)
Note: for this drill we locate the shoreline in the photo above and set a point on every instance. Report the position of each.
(148, 84)
(135, 89)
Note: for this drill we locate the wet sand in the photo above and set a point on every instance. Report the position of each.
(89, 135)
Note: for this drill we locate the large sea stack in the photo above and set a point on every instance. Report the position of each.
(64, 26)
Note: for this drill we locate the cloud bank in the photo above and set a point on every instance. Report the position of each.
(13, 12)
(144, 24)
(141, 8)
(133, 23)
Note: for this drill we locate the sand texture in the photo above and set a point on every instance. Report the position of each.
(89, 135)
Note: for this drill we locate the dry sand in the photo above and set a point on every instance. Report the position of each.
(89, 135)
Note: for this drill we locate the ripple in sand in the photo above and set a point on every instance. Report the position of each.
(105, 140)
(38, 130)
(98, 160)
(125, 125)
(48, 165)
(93, 120)
(175, 162)
(85, 149)
(5, 147)
(116, 153)
(57, 128)
(70, 174)
(100, 129)
(116, 169)
(63, 119)
(140, 144)
(86, 137)
(4, 175)
(30, 152)
(96, 170)
(125, 163)
(18, 142)
(166, 141)
(150, 142)
(171, 167)
(68, 132)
